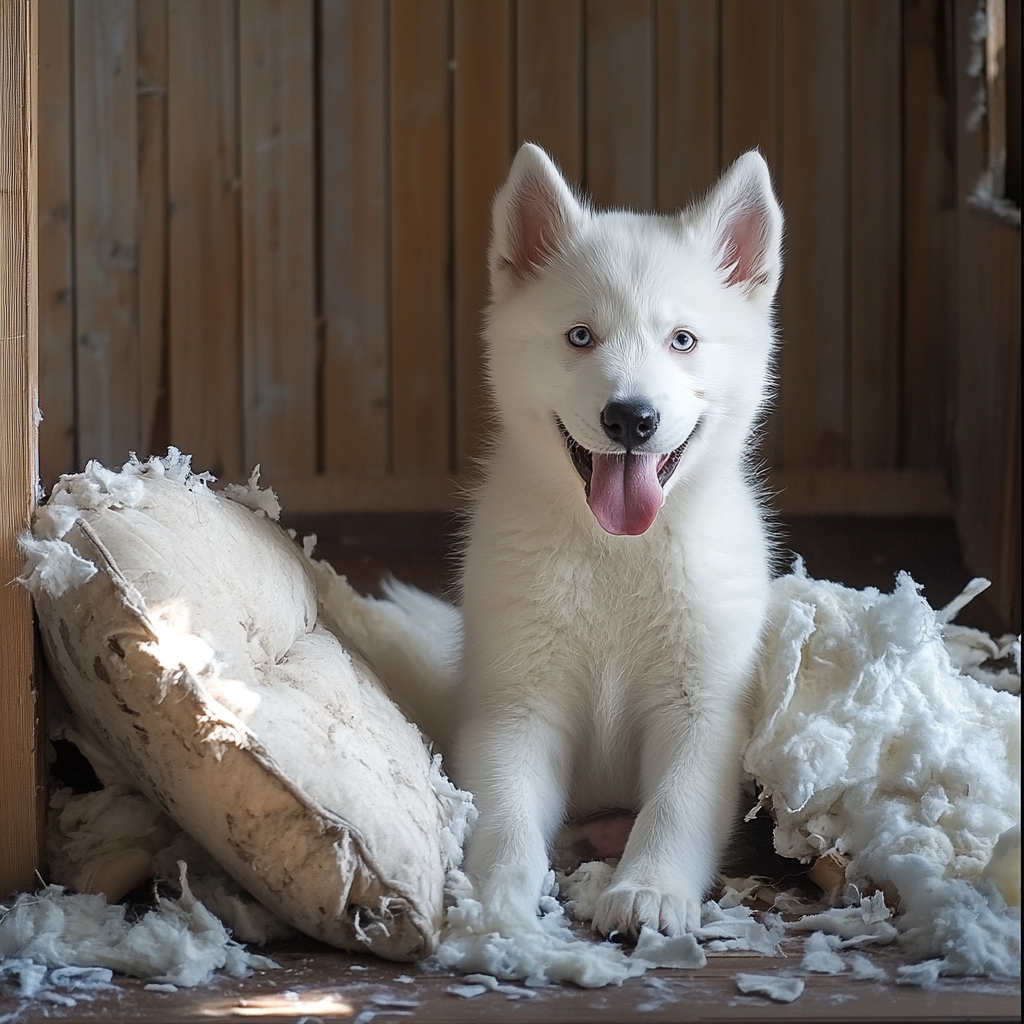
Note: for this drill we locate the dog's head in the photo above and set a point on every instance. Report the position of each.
(641, 344)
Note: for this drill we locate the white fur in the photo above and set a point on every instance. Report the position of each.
(600, 670)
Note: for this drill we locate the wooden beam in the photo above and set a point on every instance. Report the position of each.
(20, 764)
(827, 492)
(859, 492)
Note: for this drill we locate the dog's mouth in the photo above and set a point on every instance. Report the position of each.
(624, 491)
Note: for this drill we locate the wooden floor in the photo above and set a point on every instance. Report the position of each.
(317, 983)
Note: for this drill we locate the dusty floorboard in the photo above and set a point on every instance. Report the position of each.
(319, 984)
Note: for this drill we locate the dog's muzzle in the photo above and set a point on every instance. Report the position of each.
(583, 459)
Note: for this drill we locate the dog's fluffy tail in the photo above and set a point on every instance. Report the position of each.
(411, 639)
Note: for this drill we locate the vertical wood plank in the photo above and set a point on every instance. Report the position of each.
(421, 242)
(549, 80)
(278, 239)
(106, 229)
(751, 76)
(204, 318)
(621, 163)
(988, 371)
(152, 112)
(875, 232)
(689, 120)
(56, 281)
(354, 281)
(483, 129)
(813, 386)
(929, 197)
(750, 79)
(21, 769)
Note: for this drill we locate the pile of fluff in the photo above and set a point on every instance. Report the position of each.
(479, 940)
(179, 943)
(882, 735)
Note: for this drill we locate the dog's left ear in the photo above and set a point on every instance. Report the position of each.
(744, 222)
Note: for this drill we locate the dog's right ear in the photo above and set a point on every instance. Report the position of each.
(533, 213)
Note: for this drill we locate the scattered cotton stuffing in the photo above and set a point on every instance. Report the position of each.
(53, 565)
(737, 928)
(460, 813)
(112, 840)
(782, 990)
(864, 969)
(859, 925)
(179, 943)
(260, 499)
(480, 940)
(680, 952)
(820, 954)
(581, 889)
(871, 742)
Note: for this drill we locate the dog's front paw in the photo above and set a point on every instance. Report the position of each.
(625, 908)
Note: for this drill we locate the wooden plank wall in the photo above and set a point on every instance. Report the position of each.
(22, 794)
(986, 367)
(264, 223)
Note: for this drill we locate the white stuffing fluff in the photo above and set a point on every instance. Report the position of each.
(864, 969)
(859, 925)
(581, 889)
(681, 952)
(782, 990)
(478, 939)
(114, 839)
(53, 565)
(871, 742)
(179, 943)
(473, 943)
(820, 954)
(260, 499)
(461, 813)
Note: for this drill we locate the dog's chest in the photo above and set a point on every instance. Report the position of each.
(628, 618)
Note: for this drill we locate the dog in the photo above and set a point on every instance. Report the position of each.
(616, 571)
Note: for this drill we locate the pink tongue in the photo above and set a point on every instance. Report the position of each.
(625, 494)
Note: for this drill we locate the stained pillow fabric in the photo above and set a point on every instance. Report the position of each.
(182, 628)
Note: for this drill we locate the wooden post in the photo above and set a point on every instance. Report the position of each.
(20, 763)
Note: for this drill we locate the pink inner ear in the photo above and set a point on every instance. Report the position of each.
(744, 239)
(537, 224)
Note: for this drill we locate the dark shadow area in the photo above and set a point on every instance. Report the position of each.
(859, 551)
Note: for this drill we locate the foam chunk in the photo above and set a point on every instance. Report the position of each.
(661, 951)
(782, 990)
(820, 954)
(858, 925)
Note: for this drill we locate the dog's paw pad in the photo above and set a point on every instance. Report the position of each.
(625, 909)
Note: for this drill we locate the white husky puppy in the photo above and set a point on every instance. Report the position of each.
(616, 575)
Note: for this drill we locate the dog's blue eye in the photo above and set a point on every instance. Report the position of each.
(580, 336)
(683, 341)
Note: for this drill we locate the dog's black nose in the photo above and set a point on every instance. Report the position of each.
(630, 423)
